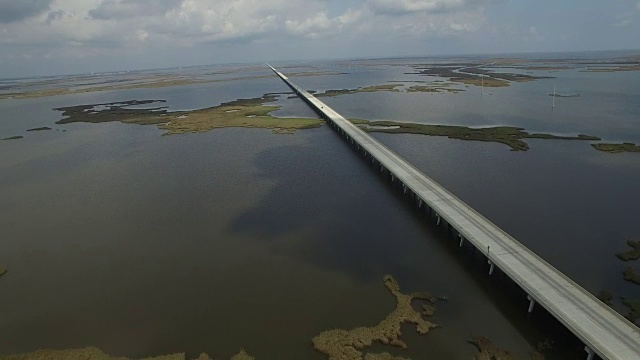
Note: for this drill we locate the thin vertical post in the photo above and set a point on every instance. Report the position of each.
(532, 302)
(590, 353)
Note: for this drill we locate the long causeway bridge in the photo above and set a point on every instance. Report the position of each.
(603, 331)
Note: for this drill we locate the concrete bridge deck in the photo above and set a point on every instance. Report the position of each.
(603, 331)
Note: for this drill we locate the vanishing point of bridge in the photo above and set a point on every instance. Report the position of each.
(603, 331)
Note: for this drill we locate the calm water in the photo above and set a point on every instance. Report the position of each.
(242, 238)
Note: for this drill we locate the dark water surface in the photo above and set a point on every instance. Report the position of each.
(141, 244)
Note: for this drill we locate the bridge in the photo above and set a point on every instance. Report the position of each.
(603, 331)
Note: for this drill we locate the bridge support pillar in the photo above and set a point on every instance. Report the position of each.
(373, 159)
(381, 168)
(532, 302)
(491, 267)
(419, 203)
(404, 189)
(392, 178)
(438, 219)
(590, 353)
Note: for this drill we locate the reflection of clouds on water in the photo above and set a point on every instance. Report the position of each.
(346, 217)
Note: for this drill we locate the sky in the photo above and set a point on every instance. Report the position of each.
(47, 37)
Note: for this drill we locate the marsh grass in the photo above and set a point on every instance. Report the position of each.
(348, 344)
(511, 136)
(248, 113)
(617, 148)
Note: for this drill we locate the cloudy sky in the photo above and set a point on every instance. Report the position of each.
(40, 37)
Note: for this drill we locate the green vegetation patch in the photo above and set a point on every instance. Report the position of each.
(347, 344)
(564, 95)
(547, 68)
(146, 83)
(473, 74)
(617, 148)
(425, 87)
(632, 67)
(606, 297)
(634, 308)
(630, 274)
(249, 113)
(479, 81)
(511, 136)
(91, 353)
(433, 89)
(367, 89)
(633, 254)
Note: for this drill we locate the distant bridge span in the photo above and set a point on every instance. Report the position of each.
(603, 331)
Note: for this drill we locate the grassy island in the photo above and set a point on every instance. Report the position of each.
(634, 309)
(249, 113)
(143, 83)
(629, 67)
(13, 137)
(617, 148)
(438, 88)
(633, 254)
(547, 68)
(564, 95)
(91, 353)
(630, 274)
(474, 74)
(606, 297)
(425, 87)
(511, 136)
(367, 89)
(256, 113)
(347, 344)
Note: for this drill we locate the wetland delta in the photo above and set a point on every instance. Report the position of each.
(207, 213)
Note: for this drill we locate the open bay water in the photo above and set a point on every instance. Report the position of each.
(141, 244)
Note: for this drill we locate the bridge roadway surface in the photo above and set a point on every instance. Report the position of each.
(602, 330)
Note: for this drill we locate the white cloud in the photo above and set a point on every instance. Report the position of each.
(158, 29)
(399, 7)
(321, 25)
(120, 9)
(124, 23)
(623, 23)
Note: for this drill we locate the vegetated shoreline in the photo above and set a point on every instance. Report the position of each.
(618, 68)
(16, 137)
(617, 148)
(511, 136)
(424, 87)
(256, 113)
(631, 275)
(336, 344)
(473, 74)
(249, 113)
(143, 84)
(347, 344)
